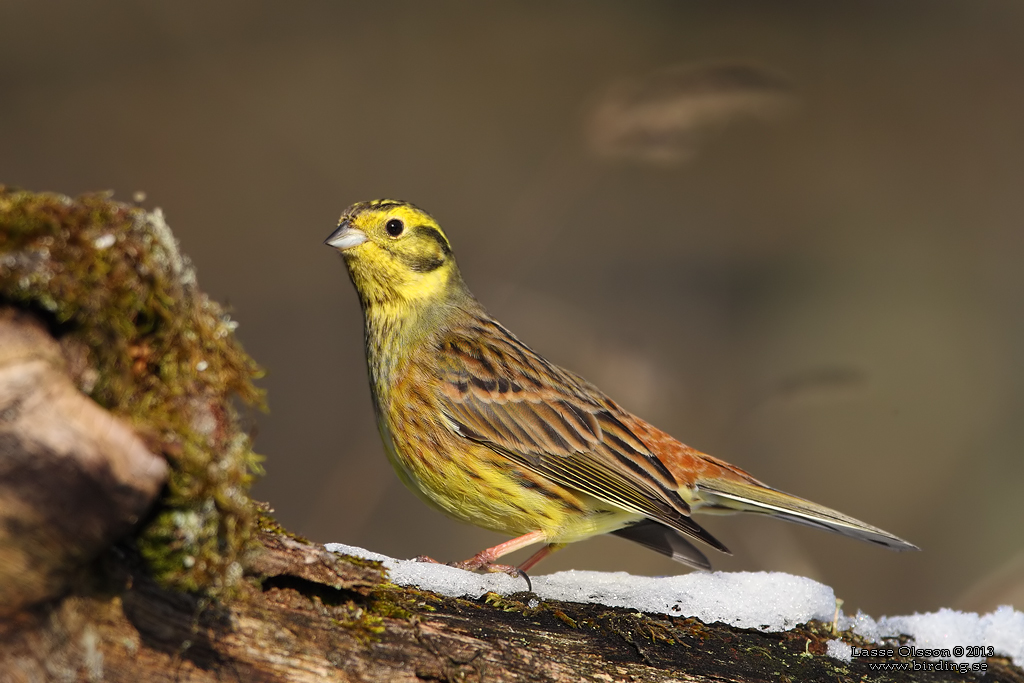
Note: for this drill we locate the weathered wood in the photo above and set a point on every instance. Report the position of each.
(73, 478)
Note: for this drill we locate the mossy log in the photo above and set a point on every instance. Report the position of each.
(307, 615)
(204, 586)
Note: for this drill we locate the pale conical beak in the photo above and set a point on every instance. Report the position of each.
(345, 237)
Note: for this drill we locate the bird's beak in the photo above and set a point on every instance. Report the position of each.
(345, 237)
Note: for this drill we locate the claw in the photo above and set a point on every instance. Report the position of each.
(475, 565)
(529, 584)
(514, 572)
(484, 560)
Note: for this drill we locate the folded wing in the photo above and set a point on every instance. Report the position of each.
(496, 391)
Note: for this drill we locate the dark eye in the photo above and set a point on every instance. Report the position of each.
(394, 227)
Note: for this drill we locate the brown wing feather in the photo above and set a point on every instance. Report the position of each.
(498, 392)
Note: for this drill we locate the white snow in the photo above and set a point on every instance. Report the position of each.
(769, 601)
(761, 600)
(840, 650)
(1002, 629)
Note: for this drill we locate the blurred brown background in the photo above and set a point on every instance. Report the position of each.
(810, 266)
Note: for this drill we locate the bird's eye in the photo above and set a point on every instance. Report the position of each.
(394, 227)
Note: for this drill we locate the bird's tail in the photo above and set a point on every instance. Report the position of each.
(718, 494)
(665, 540)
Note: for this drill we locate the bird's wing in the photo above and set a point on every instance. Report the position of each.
(496, 391)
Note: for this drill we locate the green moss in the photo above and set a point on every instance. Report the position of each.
(564, 618)
(265, 523)
(403, 602)
(153, 349)
(391, 602)
(361, 623)
(507, 603)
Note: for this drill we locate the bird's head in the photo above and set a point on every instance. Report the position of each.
(395, 252)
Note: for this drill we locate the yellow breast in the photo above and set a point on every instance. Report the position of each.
(473, 483)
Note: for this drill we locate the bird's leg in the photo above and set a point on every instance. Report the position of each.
(485, 558)
(540, 555)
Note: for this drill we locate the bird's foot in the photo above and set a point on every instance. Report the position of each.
(482, 564)
(476, 564)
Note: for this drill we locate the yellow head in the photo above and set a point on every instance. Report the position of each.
(396, 253)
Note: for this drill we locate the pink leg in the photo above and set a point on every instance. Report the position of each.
(539, 555)
(485, 558)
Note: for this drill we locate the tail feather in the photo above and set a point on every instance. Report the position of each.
(665, 540)
(742, 496)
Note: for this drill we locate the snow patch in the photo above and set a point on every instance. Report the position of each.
(768, 601)
(837, 649)
(758, 600)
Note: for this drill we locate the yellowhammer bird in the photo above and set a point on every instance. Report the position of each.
(486, 430)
